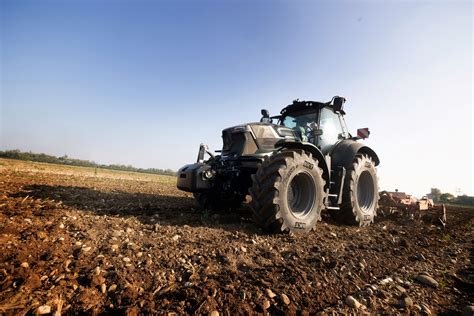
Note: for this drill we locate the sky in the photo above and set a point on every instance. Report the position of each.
(145, 82)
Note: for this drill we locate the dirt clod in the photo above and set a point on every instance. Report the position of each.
(270, 293)
(352, 302)
(427, 280)
(266, 304)
(43, 309)
(406, 302)
(285, 299)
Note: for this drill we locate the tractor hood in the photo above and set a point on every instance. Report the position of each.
(253, 138)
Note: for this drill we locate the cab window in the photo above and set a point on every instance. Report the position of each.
(300, 123)
(332, 130)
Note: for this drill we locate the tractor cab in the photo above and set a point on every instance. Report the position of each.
(321, 124)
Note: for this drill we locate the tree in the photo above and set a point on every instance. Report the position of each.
(435, 194)
(465, 200)
(65, 160)
(446, 197)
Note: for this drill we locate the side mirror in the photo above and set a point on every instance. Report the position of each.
(338, 103)
(315, 129)
(317, 132)
(363, 133)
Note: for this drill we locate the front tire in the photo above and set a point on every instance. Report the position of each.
(288, 192)
(360, 196)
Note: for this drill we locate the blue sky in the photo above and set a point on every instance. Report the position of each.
(145, 82)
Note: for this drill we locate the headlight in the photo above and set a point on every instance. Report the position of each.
(208, 174)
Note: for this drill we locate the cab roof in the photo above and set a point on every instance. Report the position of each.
(298, 105)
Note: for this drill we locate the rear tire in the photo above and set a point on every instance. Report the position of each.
(360, 196)
(288, 192)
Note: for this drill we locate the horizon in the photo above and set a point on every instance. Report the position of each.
(100, 165)
(144, 83)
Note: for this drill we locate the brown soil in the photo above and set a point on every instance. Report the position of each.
(97, 241)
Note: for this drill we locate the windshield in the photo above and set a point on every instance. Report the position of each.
(300, 123)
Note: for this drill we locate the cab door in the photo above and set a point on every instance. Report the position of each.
(332, 130)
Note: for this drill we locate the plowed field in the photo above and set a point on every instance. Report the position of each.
(82, 240)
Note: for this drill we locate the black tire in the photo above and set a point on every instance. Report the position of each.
(288, 192)
(360, 196)
(214, 201)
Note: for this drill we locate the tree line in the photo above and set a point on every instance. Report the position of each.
(65, 160)
(448, 198)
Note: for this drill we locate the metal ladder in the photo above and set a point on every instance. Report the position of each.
(340, 175)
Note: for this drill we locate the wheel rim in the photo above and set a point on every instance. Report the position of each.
(365, 191)
(301, 194)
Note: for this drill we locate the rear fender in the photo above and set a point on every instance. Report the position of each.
(317, 154)
(343, 154)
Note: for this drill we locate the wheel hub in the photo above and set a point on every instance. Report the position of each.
(365, 191)
(301, 194)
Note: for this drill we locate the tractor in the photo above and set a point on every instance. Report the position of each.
(293, 166)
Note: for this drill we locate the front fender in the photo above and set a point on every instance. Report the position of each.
(317, 154)
(343, 154)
